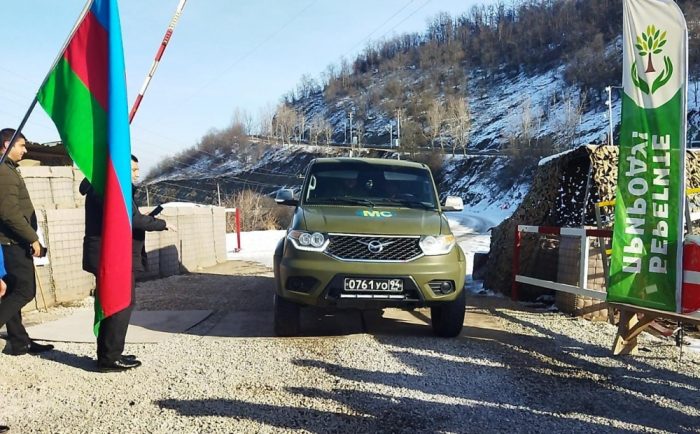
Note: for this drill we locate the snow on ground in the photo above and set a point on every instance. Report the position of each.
(256, 246)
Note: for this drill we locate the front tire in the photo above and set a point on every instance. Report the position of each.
(448, 319)
(286, 317)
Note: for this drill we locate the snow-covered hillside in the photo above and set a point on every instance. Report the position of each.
(498, 105)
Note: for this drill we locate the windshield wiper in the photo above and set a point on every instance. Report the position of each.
(409, 203)
(348, 200)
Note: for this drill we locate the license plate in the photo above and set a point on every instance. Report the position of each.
(388, 285)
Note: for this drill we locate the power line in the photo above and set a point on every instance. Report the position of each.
(380, 26)
(402, 21)
(18, 75)
(279, 29)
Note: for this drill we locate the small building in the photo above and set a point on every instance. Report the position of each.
(46, 154)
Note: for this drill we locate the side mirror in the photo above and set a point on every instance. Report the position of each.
(453, 203)
(285, 196)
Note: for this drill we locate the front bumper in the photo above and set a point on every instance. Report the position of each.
(324, 277)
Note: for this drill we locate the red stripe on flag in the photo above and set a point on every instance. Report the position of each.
(88, 57)
(114, 284)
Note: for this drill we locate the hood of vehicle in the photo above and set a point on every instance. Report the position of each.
(377, 221)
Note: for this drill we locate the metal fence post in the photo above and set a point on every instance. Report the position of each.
(516, 264)
(583, 276)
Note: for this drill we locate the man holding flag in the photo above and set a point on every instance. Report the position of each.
(85, 96)
(112, 332)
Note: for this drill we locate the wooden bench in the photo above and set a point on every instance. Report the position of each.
(630, 325)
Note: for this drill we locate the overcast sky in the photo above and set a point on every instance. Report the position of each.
(224, 54)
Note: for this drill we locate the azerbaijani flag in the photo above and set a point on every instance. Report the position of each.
(85, 96)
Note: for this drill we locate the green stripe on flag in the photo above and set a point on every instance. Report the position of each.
(80, 120)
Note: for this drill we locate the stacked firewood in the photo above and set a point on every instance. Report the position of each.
(556, 198)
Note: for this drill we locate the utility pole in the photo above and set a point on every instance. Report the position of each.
(398, 133)
(345, 132)
(391, 135)
(218, 192)
(148, 197)
(609, 89)
(609, 104)
(352, 142)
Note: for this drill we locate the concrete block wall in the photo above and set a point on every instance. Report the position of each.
(64, 238)
(200, 241)
(53, 187)
(219, 228)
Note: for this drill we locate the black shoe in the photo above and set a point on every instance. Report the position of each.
(4, 429)
(127, 357)
(32, 348)
(118, 365)
(35, 348)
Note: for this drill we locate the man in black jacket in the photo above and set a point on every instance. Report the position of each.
(20, 242)
(112, 334)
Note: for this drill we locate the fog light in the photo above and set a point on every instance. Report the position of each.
(295, 284)
(446, 287)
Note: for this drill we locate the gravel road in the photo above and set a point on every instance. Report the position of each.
(542, 372)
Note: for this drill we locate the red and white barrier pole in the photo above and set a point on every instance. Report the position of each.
(691, 275)
(516, 265)
(238, 227)
(159, 55)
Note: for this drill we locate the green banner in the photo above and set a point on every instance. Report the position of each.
(648, 231)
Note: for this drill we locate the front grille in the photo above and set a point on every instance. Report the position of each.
(352, 248)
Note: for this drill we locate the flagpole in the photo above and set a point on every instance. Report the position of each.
(159, 55)
(18, 131)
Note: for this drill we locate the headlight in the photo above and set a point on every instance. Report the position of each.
(308, 241)
(437, 245)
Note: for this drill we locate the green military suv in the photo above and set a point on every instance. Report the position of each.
(369, 234)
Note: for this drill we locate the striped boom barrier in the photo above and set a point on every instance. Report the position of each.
(159, 55)
(691, 275)
(583, 274)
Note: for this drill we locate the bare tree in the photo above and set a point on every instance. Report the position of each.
(345, 71)
(301, 125)
(569, 122)
(522, 133)
(265, 116)
(434, 118)
(315, 129)
(327, 131)
(244, 118)
(329, 74)
(360, 130)
(284, 123)
(307, 86)
(459, 123)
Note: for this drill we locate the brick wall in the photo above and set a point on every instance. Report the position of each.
(200, 241)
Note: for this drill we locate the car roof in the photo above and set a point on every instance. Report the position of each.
(373, 161)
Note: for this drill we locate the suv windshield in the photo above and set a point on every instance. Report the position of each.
(358, 183)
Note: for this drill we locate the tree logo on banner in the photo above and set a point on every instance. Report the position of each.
(651, 42)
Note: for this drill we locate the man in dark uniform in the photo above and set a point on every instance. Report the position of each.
(20, 242)
(112, 333)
